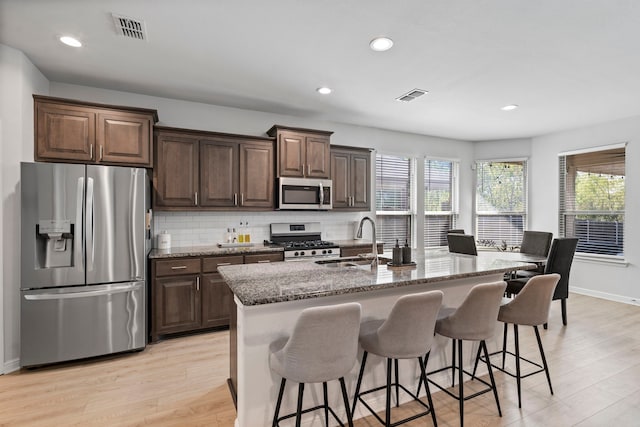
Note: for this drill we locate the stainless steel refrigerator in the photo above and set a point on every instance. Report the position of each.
(85, 240)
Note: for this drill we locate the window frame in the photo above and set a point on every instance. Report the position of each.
(454, 188)
(477, 213)
(410, 213)
(563, 212)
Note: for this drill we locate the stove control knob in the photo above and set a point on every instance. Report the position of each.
(296, 254)
(302, 253)
(324, 252)
(313, 252)
(329, 251)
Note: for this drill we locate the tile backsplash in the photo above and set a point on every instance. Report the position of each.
(208, 228)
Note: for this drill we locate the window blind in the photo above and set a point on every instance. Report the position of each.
(439, 198)
(393, 199)
(592, 205)
(501, 202)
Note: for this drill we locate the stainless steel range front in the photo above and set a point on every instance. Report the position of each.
(302, 241)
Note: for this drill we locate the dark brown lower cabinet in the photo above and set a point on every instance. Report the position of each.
(216, 301)
(188, 294)
(177, 304)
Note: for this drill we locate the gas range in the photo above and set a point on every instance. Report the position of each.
(301, 241)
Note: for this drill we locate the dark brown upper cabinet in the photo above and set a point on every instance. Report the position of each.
(351, 176)
(212, 171)
(302, 153)
(79, 132)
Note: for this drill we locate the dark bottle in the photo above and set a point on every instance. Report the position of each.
(406, 253)
(397, 254)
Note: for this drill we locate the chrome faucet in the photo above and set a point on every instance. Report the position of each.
(374, 262)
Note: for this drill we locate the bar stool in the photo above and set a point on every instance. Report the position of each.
(406, 334)
(530, 307)
(474, 320)
(323, 347)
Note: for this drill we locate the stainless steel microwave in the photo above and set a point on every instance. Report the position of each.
(305, 194)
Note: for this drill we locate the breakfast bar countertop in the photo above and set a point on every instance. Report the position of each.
(288, 281)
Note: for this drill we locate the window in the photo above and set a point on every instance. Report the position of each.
(440, 204)
(501, 202)
(393, 199)
(592, 190)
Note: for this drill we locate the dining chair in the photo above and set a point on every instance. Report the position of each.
(456, 231)
(559, 261)
(535, 243)
(462, 244)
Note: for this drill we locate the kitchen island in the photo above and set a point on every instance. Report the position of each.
(269, 299)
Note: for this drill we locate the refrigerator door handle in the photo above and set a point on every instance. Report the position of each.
(112, 289)
(90, 230)
(78, 247)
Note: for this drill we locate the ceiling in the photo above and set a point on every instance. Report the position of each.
(566, 63)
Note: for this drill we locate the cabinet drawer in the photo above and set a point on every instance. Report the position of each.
(357, 250)
(270, 257)
(211, 264)
(178, 266)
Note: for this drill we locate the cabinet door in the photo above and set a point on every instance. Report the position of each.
(124, 138)
(177, 304)
(264, 258)
(220, 177)
(360, 177)
(64, 132)
(216, 301)
(291, 154)
(318, 157)
(340, 177)
(256, 175)
(175, 176)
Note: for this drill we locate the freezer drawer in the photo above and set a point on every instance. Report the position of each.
(83, 321)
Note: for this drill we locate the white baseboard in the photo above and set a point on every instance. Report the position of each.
(604, 295)
(11, 366)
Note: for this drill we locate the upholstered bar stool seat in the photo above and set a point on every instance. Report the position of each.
(474, 320)
(407, 333)
(530, 307)
(323, 347)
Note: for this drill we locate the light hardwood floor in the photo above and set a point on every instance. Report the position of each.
(594, 362)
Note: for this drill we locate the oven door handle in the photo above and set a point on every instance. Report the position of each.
(321, 195)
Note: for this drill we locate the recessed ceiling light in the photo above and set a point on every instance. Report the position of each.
(324, 90)
(509, 107)
(70, 41)
(380, 44)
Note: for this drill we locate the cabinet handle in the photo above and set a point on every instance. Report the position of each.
(309, 169)
(101, 152)
(180, 267)
(223, 263)
(198, 283)
(91, 151)
(262, 261)
(241, 199)
(196, 197)
(235, 199)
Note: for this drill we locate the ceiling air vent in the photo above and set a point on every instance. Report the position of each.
(129, 27)
(411, 95)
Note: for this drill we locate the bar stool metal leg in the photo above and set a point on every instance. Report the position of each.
(388, 406)
(460, 382)
(280, 393)
(544, 359)
(299, 409)
(326, 404)
(345, 399)
(453, 363)
(397, 384)
(504, 345)
(493, 382)
(423, 378)
(359, 383)
(518, 381)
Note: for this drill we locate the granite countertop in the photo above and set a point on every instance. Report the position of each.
(255, 284)
(210, 250)
(186, 251)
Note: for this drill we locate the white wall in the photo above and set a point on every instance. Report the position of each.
(605, 280)
(19, 79)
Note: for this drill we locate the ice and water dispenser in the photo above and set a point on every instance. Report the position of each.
(54, 243)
